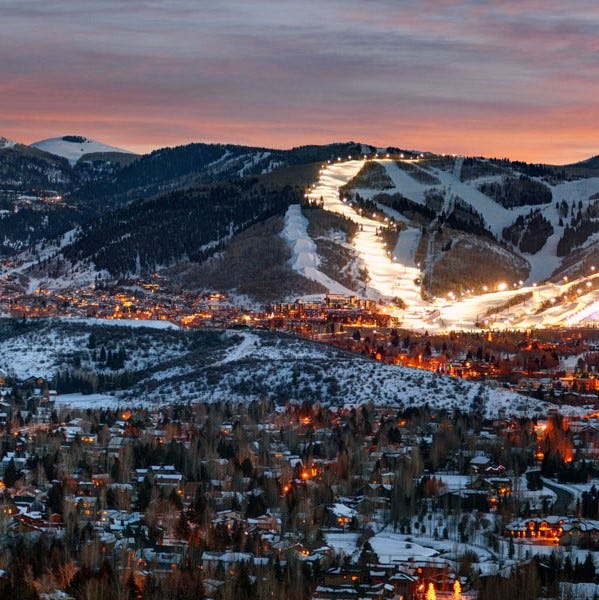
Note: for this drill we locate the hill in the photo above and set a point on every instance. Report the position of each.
(75, 147)
(101, 181)
(6, 143)
(589, 163)
(167, 365)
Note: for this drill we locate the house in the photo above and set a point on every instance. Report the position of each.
(341, 515)
(564, 531)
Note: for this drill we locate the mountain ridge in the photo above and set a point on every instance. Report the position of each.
(193, 212)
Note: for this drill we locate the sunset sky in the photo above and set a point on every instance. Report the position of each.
(506, 78)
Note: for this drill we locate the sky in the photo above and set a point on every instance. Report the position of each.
(509, 78)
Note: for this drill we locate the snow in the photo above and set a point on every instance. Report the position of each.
(406, 246)
(342, 542)
(245, 348)
(573, 191)
(83, 401)
(252, 161)
(73, 151)
(391, 547)
(387, 278)
(6, 143)
(408, 186)
(576, 489)
(578, 590)
(247, 366)
(542, 263)
(496, 216)
(341, 510)
(305, 259)
(393, 273)
(455, 483)
(136, 323)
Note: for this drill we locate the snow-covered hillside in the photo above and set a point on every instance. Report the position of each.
(387, 278)
(185, 366)
(6, 143)
(73, 147)
(518, 303)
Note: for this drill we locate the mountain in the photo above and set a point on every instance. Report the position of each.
(169, 169)
(465, 242)
(74, 147)
(6, 143)
(102, 181)
(454, 241)
(589, 163)
(23, 168)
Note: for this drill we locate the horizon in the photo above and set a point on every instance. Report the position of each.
(511, 79)
(147, 150)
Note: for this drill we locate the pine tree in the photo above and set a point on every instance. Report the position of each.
(91, 343)
(10, 474)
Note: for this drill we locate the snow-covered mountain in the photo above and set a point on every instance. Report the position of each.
(466, 242)
(455, 242)
(73, 147)
(6, 143)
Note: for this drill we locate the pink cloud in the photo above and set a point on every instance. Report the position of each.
(511, 79)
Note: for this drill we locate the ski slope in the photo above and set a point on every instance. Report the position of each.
(305, 259)
(409, 187)
(393, 272)
(388, 278)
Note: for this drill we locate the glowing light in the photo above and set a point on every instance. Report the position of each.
(430, 592)
(502, 286)
(457, 590)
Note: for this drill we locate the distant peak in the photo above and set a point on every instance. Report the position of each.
(6, 143)
(73, 147)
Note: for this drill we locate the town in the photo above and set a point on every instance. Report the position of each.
(292, 501)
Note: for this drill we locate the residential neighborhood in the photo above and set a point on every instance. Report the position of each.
(295, 501)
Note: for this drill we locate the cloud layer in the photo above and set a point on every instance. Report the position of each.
(510, 78)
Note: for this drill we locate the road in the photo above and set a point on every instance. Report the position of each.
(564, 498)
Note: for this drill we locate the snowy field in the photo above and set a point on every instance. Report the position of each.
(84, 401)
(437, 538)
